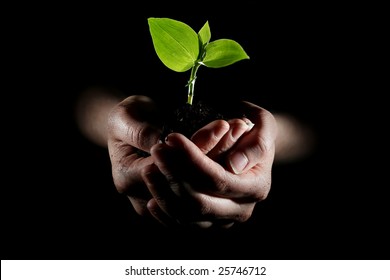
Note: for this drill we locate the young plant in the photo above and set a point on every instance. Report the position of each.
(180, 48)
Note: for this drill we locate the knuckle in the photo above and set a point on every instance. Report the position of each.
(263, 145)
(245, 214)
(220, 185)
(263, 190)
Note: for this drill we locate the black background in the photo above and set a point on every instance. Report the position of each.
(312, 62)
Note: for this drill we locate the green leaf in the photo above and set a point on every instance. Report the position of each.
(223, 52)
(175, 43)
(205, 34)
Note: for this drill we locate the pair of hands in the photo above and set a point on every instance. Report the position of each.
(213, 179)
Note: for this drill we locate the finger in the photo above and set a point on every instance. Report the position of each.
(167, 221)
(126, 168)
(165, 204)
(257, 145)
(128, 180)
(180, 160)
(159, 214)
(202, 210)
(140, 205)
(174, 189)
(173, 195)
(135, 121)
(208, 136)
(237, 128)
(219, 209)
(191, 207)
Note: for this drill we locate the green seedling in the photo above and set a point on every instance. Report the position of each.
(180, 48)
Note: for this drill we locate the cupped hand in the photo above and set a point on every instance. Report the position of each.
(132, 127)
(216, 177)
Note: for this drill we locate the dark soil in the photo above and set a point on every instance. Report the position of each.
(187, 119)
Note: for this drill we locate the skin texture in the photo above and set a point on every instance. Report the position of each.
(223, 171)
(213, 179)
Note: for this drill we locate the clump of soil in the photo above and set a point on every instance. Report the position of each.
(187, 119)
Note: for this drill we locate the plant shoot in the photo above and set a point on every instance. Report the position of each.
(181, 49)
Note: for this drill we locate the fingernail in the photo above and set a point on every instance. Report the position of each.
(250, 125)
(238, 162)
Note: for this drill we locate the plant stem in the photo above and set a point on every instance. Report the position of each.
(191, 83)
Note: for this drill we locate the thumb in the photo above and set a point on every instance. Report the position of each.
(257, 145)
(135, 121)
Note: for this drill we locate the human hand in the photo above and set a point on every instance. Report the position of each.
(181, 188)
(217, 177)
(132, 127)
